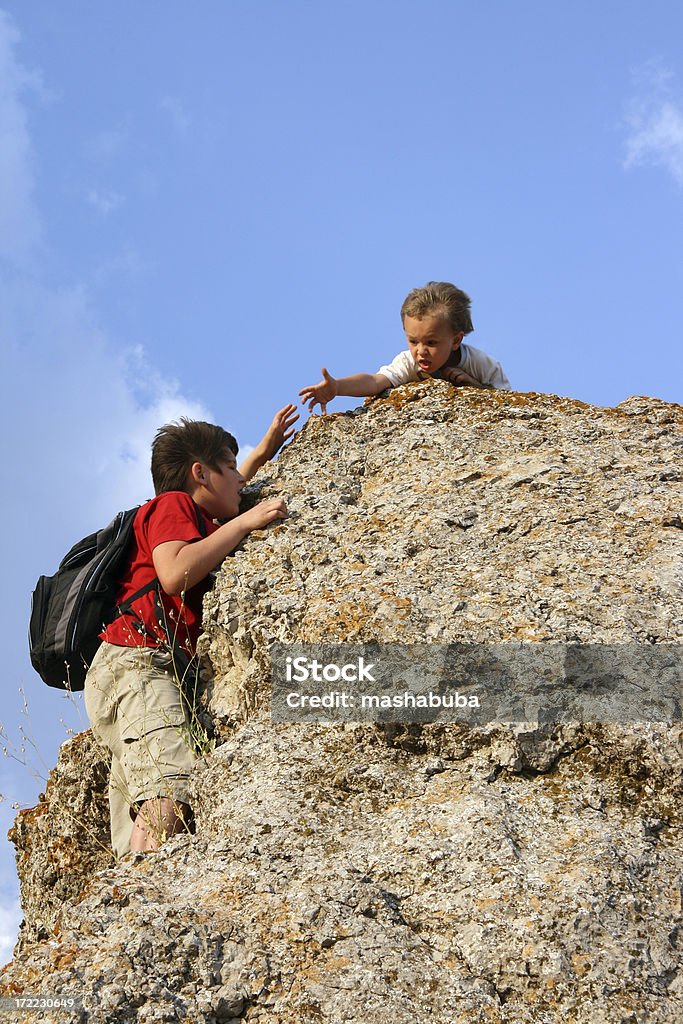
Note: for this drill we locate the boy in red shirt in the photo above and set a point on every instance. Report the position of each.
(132, 690)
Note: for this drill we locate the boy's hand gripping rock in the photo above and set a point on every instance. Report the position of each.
(264, 513)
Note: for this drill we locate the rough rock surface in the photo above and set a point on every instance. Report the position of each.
(524, 873)
(64, 840)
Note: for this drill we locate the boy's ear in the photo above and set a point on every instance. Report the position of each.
(197, 473)
(457, 340)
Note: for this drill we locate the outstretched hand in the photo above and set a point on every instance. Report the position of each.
(279, 431)
(320, 394)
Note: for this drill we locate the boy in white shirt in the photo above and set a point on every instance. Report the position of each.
(435, 318)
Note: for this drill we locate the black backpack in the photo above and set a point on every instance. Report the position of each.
(70, 609)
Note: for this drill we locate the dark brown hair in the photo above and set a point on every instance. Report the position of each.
(178, 445)
(440, 297)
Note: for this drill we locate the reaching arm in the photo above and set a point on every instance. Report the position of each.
(279, 431)
(181, 565)
(358, 385)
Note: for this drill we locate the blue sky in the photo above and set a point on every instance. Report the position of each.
(201, 205)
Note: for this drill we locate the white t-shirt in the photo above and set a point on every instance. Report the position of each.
(478, 364)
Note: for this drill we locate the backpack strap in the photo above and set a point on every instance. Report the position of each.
(125, 607)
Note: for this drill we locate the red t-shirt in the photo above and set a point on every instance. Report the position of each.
(170, 516)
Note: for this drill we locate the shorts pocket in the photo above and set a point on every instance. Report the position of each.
(162, 660)
(152, 701)
(152, 722)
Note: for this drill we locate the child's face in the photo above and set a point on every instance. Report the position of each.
(431, 341)
(222, 488)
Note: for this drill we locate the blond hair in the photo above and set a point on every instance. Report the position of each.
(440, 297)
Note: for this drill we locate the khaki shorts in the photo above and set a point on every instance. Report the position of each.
(137, 712)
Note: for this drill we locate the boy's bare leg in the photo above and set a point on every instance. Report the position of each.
(157, 819)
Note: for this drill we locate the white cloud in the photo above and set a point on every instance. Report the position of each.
(88, 412)
(104, 200)
(81, 408)
(655, 121)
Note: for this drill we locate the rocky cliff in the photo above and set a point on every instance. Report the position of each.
(519, 872)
